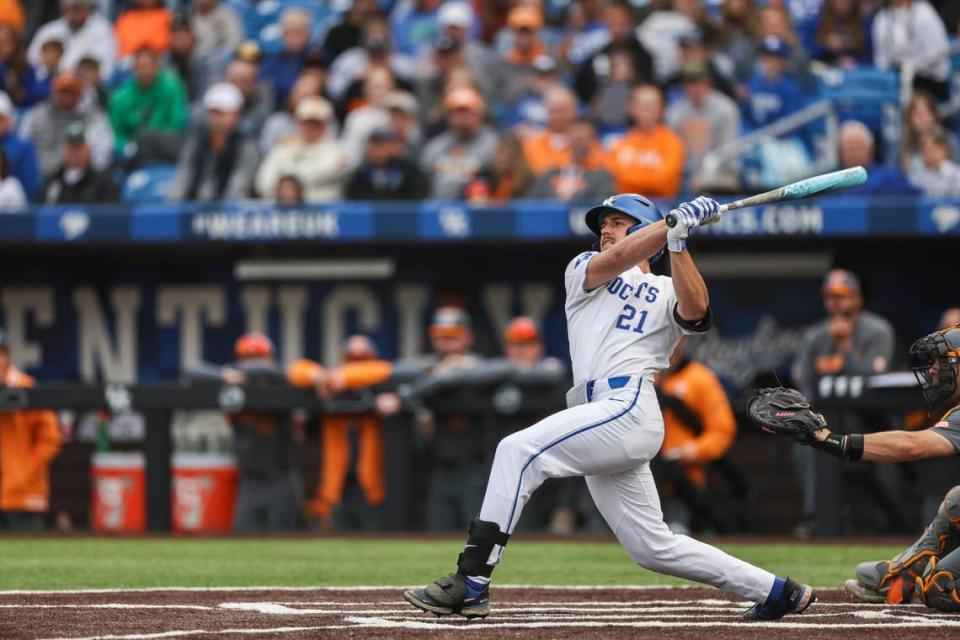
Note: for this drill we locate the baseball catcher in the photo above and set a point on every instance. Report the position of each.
(928, 571)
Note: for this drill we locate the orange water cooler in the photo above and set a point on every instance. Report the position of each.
(204, 492)
(118, 496)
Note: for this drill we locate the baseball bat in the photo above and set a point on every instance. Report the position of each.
(815, 186)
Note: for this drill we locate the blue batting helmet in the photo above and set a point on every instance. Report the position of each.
(634, 205)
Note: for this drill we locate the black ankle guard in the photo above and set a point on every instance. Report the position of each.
(483, 537)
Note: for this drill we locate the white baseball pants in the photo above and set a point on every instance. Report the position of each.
(611, 441)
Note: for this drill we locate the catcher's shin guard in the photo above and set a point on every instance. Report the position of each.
(938, 587)
(897, 579)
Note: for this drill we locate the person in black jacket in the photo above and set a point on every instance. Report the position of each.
(386, 173)
(76, 181)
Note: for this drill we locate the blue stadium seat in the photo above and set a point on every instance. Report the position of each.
(869, 95)
(148, 184)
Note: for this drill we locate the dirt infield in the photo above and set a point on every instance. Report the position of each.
(381, 613)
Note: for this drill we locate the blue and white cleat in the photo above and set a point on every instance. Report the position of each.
(793, 598)
(452, 593)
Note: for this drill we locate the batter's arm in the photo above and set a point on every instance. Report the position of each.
(629, 252)
(693, 301)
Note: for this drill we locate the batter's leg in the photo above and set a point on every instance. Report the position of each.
(631, 506)
(602, 435)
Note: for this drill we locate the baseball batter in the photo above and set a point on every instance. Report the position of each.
(623, 324)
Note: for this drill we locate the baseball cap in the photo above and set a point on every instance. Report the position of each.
(253, 345)
(6, 105)
(75, 132)
(522, 329)
(525, 17)
(401, 101)
(464, 98)
(67, 82)
(840, 282)
(314, 108)
(224, 97)
(774, 46)
(455, 14)
(450, 321)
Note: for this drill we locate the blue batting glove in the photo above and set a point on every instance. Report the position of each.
(698, 210)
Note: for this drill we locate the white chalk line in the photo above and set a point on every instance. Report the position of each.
(586, 605)
(107, 605)
(385, 623)
(195, 632)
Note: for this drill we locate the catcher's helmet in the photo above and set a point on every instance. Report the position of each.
(935, 357)
(634, 205)
(253, 345)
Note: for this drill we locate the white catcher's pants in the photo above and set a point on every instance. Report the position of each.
(611, 441)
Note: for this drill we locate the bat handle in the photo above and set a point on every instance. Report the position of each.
(671, 218)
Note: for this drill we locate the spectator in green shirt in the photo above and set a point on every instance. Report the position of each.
(149, 110)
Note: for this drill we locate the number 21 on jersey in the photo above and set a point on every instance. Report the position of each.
(625, 318)
(629, 319)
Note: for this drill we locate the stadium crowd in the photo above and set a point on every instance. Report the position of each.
(296, 101)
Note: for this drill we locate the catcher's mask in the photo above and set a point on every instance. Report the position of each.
(634, 205)
(935, 358)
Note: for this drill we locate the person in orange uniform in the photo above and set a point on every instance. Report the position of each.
(699, 427)
(28, 442)
(648, 159)
(352, 475)
(551, 148)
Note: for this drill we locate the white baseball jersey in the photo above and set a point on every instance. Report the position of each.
(626, 327)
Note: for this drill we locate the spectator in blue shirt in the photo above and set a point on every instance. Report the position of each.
(17, 77)
(282, 68)
(414, 26)
(772, 93)
(857, 149)
(21, 153)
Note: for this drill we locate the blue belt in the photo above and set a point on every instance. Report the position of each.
(585, 391)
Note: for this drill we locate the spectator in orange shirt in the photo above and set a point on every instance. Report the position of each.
(584, 178)
(28, 441)
(649, 157)
(145, 25)
(699, 427)
(550, 149)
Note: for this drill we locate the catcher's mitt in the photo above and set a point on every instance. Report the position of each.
(784, 412)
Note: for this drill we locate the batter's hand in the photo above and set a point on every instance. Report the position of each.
(677, 234)
(703, 210)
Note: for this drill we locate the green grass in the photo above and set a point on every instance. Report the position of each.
(105, 563)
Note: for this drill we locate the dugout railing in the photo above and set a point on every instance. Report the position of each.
(492, 409)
